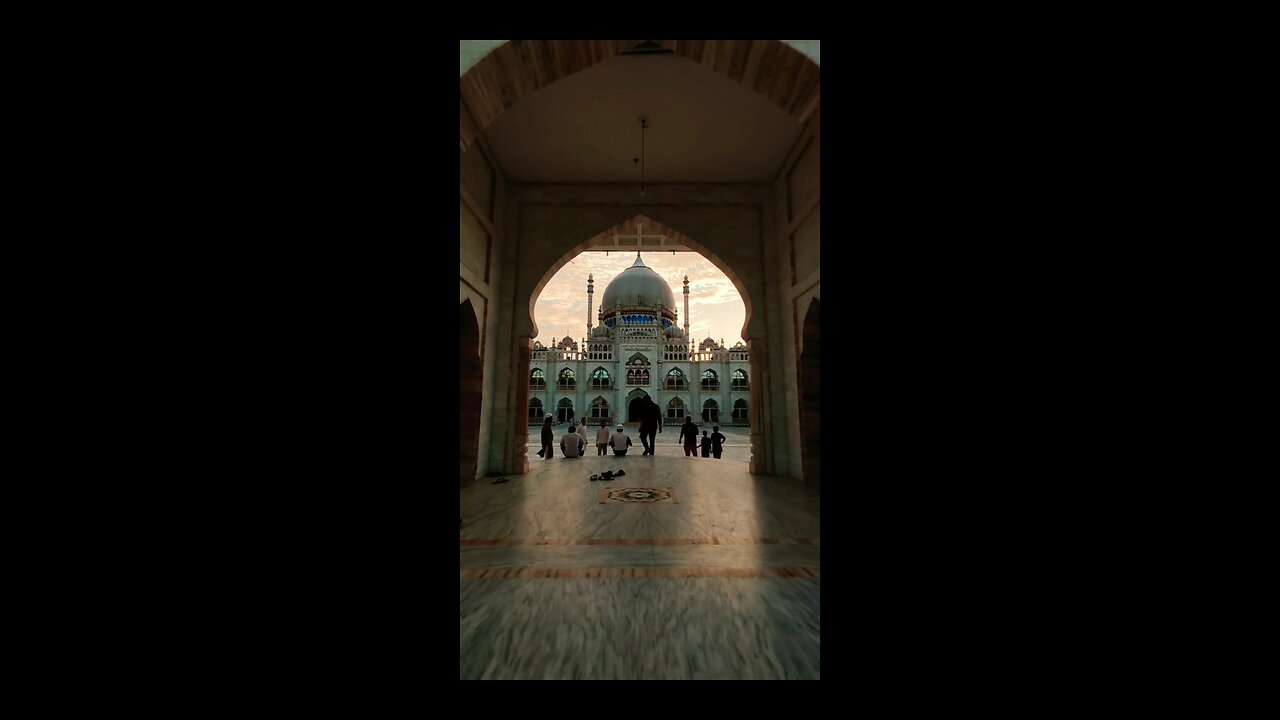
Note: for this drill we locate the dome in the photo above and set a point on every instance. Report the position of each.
(675, 332)
(600, 331)
(638, 285)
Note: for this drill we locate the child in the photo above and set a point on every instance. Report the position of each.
(706, 445)
(717, 441)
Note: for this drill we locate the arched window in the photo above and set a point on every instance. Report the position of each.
(711, 411)
(600, 379)
(739, 381)
(675, 409)
(537, 379)
(638, 370)
(675, 379)
(566, 379)
(710, 381)
(535, 410)
(600, 409)
(564, 410)
(739, 410)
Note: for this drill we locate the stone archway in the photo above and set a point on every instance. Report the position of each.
(810, 376)
(470, 372)
(518, 68)
(635, 401)
(729, 229)
(736, 224)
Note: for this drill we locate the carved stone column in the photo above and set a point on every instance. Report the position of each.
(518, 456)
(760, 461)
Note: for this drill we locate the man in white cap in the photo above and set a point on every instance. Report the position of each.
(620, 441)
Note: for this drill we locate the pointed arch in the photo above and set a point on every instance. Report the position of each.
(517, 68)
(711, 411)
(809, 369)
(537, 379)
(564, 410)
(601, 379)
(600, 409)
(630, 225)
(739, 380)
(471, 391)
(710, 380)
(676, 409)
(675, 380)
(535, 411)
(566, 380)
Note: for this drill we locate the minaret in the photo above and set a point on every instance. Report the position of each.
(591, 290)
(686, 306)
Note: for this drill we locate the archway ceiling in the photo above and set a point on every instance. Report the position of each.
(584, 128)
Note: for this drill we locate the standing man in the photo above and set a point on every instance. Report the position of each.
(650, 425)
(602, 436)
(689, 435)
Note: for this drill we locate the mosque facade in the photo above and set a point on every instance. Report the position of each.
(635, 348)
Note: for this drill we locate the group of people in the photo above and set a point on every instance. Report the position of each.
(711, 444)
(574, 443)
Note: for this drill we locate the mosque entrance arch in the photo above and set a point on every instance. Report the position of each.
(635, 401)
(729, 231)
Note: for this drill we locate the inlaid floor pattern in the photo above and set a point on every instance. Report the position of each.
(724, 584)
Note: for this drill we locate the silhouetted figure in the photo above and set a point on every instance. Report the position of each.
(548, 437)
(602, 437)
(650, 424)
(717, 441)
(705, 445)
(689, 434)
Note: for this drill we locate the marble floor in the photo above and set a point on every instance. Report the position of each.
(716, 577)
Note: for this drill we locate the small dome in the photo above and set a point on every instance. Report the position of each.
(675, 332)
(600, 331)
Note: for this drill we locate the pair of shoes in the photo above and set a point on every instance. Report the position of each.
(606, 476)
(501, 480)
(620, 473)
(595, 478)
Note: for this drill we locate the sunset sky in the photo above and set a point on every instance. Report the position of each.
(715, 308)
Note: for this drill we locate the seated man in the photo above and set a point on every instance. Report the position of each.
(620, 442)
(572, 444)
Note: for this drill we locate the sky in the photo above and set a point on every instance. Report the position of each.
(715, 307)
